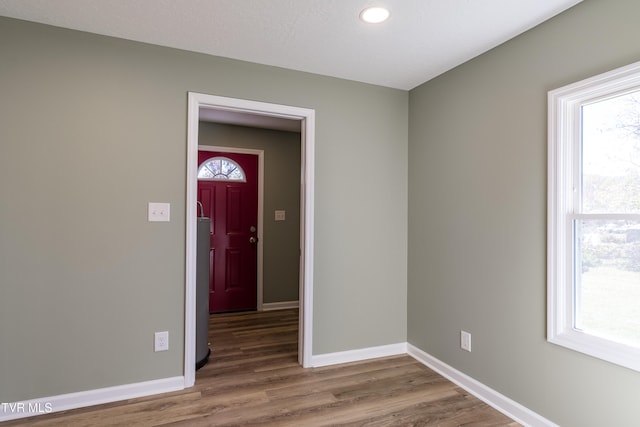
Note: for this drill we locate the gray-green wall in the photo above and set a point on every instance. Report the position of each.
(477, 216)
(281, 239)
(92, 129)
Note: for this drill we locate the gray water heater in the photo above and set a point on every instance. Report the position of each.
(202, 292)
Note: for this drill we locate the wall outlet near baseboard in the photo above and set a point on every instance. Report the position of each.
(465, 340)
(161, 341)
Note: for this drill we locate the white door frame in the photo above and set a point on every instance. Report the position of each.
(196, 103)
(260, 224)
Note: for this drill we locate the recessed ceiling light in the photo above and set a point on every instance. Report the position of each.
(374, 15)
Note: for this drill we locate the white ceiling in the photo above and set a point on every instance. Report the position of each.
(422, 38)
(241, 118)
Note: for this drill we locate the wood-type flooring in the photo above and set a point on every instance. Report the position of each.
(253, 379)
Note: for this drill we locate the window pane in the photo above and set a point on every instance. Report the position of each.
(607, 286)
(221, 169)
(611, 155)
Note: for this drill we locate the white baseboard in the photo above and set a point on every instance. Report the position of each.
(358, 355)
(514, 410)
(269, 306)
(63, 402)
(510, 408)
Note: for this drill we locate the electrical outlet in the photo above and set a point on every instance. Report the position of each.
(161, 342)
(465, 340)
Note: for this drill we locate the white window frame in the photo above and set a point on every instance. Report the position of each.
(564, 116)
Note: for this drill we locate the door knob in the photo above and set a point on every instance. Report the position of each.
(253, 239)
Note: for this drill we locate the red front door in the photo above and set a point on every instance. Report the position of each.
(233, 209)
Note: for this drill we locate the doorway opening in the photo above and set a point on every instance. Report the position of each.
(229, 110)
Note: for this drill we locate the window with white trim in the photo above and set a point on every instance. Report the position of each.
(221, 169)
(594, 217)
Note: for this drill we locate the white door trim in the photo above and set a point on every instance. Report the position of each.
(260, 224)
(196, 103)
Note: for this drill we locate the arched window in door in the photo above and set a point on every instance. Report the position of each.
(221, 169)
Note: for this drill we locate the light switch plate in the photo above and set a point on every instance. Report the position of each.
(159, 212)
(280, 215)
